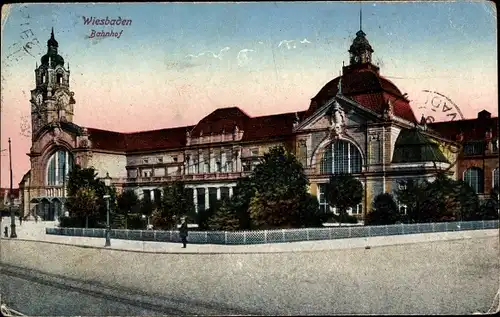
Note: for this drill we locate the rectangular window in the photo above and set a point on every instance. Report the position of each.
(495, 145)
(146, 194)
(224, 192)
(229, 167)
(157, 197)
(246, 167)
(132, 173)
(212, 195)
(323, 204)
(474, 148)
(159, 172)
(495, 177)
(200, 193)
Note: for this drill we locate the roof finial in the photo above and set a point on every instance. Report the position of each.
(339, 88)
(360, 17)
(52, 33)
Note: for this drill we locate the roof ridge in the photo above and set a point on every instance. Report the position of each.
(462, 120)
(280, 114)
(156, 130)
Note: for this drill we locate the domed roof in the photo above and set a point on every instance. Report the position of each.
(52, 54)
(54, 59)
(414, 147)
(366, 81)
(360, 43)
(363, 84)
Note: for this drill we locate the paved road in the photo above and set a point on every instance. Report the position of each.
(444, 277)
(35, 293)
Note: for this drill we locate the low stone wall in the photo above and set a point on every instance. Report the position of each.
(277, 236)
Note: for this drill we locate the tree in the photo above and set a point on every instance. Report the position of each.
(240, 201)
(279, 186)
(176, 203)
(146, 206)
(310, 214)
(87, 178)
(384, 211)
(280, 174)
(343, 191)
(270, 212)
(84, 204)
(127, 203)
(412, 195)
(444, 199)
(224, 217)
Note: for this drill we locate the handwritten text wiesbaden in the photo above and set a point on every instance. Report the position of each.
(107, 21)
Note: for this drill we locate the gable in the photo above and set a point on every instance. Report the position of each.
(321, 118)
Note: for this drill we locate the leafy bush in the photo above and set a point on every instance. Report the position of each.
(347, 218)
(224, 217)
(135, 222)
(343, 191)
(79, 222)
(385, 211)
(310, 215)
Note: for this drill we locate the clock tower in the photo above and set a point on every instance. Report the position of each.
(51, 100)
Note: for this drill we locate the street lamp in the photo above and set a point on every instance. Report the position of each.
(107, 183)
(11, 202)
(146, 220)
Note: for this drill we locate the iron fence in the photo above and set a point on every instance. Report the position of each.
(277, 236)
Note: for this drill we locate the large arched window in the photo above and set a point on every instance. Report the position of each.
(495, 177)
(59, 164)
(474, 177)
(341, 157)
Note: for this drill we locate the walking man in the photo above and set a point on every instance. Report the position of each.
(183, 232)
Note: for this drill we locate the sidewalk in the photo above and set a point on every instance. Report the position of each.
(30, 230)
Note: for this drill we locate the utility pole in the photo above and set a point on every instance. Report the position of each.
(11, 200)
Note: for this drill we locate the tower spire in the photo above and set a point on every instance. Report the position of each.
(52, 33)
(360, 17)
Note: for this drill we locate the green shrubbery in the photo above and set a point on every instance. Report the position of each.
(442, 200)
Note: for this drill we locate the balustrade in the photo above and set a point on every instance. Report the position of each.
(207, 176)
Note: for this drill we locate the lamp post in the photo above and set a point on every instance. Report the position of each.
(107, 183)
(11, 200)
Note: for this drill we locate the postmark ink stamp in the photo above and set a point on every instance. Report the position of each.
(437, 107)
